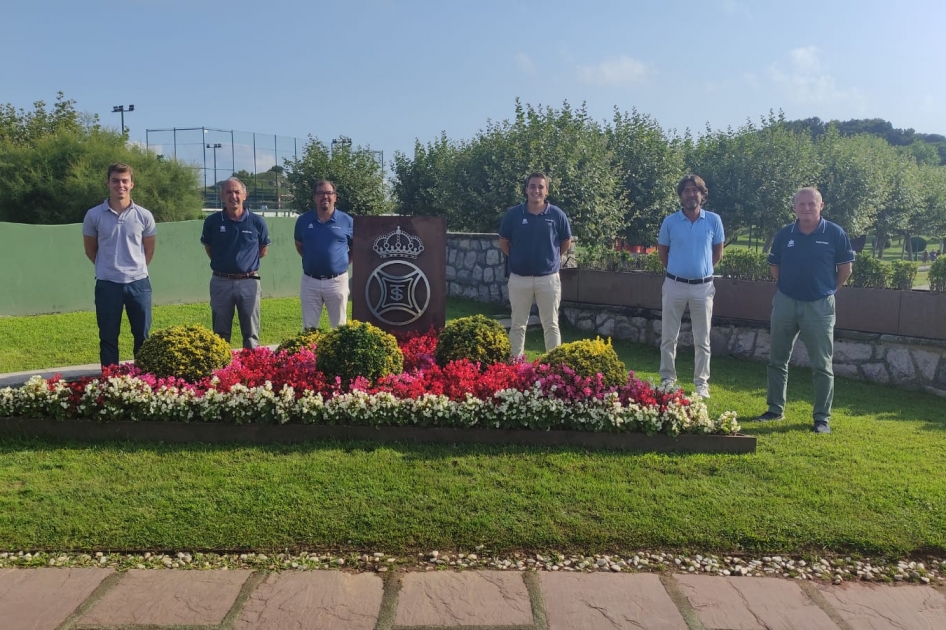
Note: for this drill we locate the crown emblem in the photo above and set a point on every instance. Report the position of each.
(398, 244)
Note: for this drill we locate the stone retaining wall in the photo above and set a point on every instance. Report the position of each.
(906, 362)
(476, 269)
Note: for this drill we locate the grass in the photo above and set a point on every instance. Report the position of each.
(874, 486)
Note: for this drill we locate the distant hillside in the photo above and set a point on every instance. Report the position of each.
(878, 127)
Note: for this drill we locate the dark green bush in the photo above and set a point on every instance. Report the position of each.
(359, 349)
(652, 263)
(744, 264)
(306, 339)
(903, 273)
(869, 272)
(588, 358)
(188, 352)
(938, 275)
(477, 338)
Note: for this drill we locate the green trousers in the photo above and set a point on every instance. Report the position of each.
(814, 321)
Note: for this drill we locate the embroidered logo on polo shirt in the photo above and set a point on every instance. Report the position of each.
(823, 242)
(247, 231)
(525, 221)
(791, 243)
(310, 226)
(223, 228)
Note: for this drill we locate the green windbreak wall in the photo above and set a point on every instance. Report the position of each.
(43, 268)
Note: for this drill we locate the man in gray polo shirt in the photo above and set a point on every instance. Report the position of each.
(119, 238)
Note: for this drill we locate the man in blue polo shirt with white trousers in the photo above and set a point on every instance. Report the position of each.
(690, 245)
(810, 260)
(119, 237)
(323, 238)
(534, 236)
(235, 239)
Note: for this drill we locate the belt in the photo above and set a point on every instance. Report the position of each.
(327, 277)
(688, 281)
(238, 276)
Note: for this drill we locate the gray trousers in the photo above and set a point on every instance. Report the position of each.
(241, 295)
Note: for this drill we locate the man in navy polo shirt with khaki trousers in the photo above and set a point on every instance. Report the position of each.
(690, 245)
(534, 235)
(323, 238)
(235, 239)
(810, 260)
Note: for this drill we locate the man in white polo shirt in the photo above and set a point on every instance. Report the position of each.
(690, 245)
(119, 238)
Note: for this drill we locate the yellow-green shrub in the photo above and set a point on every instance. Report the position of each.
(306, 339)
(588, 358)
(359, 349)
(188, 352)
(477, 338)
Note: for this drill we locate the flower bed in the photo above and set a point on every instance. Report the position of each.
(261, 386)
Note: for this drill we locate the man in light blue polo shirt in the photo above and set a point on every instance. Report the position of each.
(810, 260)
(235, 239)
(690, 245)
(119, 237)
(534, 235)
(323, 238)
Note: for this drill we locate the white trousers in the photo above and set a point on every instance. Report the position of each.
(676, 297)
(546, 291)
(332, 293)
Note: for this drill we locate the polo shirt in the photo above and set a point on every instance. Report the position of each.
(691, 243)
(535, 239)
(808, 263)
(121, 254)
(325, 246)
(235, 245)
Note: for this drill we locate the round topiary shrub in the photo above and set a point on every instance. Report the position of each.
(306, 339)
(188, 352)
(588, 358)
(359, 349)
(477, 338)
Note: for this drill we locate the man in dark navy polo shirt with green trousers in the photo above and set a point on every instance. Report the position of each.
(235, 240)
(810, 259)
(534, 235)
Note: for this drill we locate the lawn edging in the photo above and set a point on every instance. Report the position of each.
(257, 434)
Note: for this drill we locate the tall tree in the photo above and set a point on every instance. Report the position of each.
(854, 179)
(355, 172)
(753, 172)
(650, 164)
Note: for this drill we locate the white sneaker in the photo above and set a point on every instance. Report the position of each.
(668, 383)
(702, 391)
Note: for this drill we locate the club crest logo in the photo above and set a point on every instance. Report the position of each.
(397, 291)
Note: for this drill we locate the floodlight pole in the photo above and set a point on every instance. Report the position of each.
(120, 109)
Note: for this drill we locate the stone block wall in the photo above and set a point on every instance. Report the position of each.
(476, 268)
(905, 362)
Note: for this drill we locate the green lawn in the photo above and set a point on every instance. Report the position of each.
(874, 486)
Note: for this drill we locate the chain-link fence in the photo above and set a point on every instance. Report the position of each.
(257, 159)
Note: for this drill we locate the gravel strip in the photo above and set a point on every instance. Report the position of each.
(823, 569)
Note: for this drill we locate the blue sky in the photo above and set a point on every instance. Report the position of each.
(387, 72)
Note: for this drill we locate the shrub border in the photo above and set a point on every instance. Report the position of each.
(221, 433)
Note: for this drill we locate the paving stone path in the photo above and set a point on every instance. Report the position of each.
(102, 599)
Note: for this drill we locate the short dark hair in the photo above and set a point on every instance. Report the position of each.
(323, 182)
(697, 181)
(532, 176)
(120, 167)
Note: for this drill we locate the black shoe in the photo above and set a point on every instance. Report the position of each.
(769, 416)
(821, 426)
